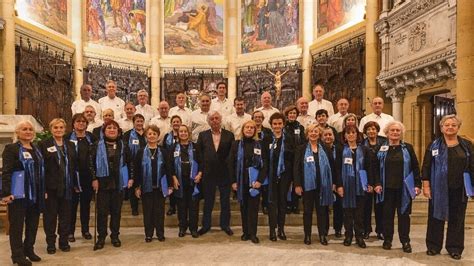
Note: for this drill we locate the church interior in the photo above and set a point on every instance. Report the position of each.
(417, 55)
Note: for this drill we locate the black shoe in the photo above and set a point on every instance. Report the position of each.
(347, 241)
(296, 211)
(455, 255)
(380, 236)
(273, 235)
(387, 245)
(431, 252)
(181, 233)
(228, 231)
(366, 235)
(194, 234)
(51, 250)
(148, 239)
(203, 231)
(289, 210)
(323, 240)
(307, 239)
(361, 243)
(22, 262)
(171, 211)
(71, 238)
(32, 256)
(99, 244)
(244, 237)
(406, 247)
(87, 236)
(281, 235)
(161, 238)
(135, 212)
(254, 239)
(338, 234)
(65, 248)
(116, 242)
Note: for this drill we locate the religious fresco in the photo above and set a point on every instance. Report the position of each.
(117, 23)
(194, 27)
(333, 14)
(49, 13)
(267, 24)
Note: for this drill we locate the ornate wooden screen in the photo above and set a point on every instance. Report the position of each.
(44, 82)
(441, 106)
(341, 69)
(252, 81)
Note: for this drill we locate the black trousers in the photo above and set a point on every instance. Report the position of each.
(172, 201)
(392, 203)
(209, 198)
(109, 202)
(295, 200)
(133, 200)
(311, 200)
(277, 206)
(264, 193)
(455, 232)
(378, 210)
(57, 213)
(153, 204)
(84, 200)
(22, 212)
(337, 215)
(188, 210)
(249, 214)
(354, 219)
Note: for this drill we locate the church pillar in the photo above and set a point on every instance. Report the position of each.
(154, 42)
(465, 71)
(371, 52)
(231, 44)
(8, 58)
(308, 30)
(76, 37)
(397, 96)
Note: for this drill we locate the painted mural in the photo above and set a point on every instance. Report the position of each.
(333, 14)
(117, 23)
(194, 27)
(49, 13)
(268, 24)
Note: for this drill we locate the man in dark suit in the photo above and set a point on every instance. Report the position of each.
(215, 145)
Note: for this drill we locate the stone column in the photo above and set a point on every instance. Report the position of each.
(397, 103)
(371, 52)
(465, 70)
(154, 42)
(417, 128)
(76, 37)
(8, 58)
(308, 38)
(232, 47)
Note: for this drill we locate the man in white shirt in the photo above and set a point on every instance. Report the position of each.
(126, 123)
(337, 119)
(143, 107)
(234, 122)
(92, 121)
(112, 101)
(319, 102)
(199, 117)
(163, 120)
(267, 108)
(377, 116)
(304, 118)
(79, 106)
(181, 110)
(221, 104)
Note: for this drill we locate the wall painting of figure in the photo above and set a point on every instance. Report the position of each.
(193, 27)
(117, 23)
(49, 13)
(333, 14)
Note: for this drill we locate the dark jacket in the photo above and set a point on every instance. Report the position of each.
(370, 161)
(247, 161)
(82, 159)
(138, 167)
(214, 163)
(288, 154)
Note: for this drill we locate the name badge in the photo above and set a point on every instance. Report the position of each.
(176, 154)
(348, 161)
(73, 141)
(52, 149)
(135, 141)
(257, 151)
(27, 155)
(271, 146)
(434, 152)
(310, 159)
(384, 148)
(297, 131)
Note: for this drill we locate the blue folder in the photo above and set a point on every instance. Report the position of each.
(124, 175)
(363, 179)
(253, 177)
(410, 185)
(288, 194)
(164, 185)
(18, 184)
(78, 181)
(468, 184)
(194, 170)
(196, 190)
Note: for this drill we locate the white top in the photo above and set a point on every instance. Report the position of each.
(96, 123)
(79, 106)
(314, 106)
(336, 121)
(147, 111)
(164, 124)
(224, 107)
(381, 119)
(267, 113)
(200, 124)
(116, 104)
(234, 123)
(306, 120)
(125, 124)
(184, 113)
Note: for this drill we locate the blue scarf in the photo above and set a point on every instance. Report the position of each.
(133, 138)
(147, 178)
(350, 178)
(73, 139)
(169, 139)
(102, 164)
(239, 170)
(193, 166)
(68, 181)
(325, 194)
(281, 163)
(35, 194)
(406, 198)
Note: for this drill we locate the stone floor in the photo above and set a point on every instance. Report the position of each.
(216, 248)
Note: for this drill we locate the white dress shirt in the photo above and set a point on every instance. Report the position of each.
(314, 106)
(381, 119)
(79, 106)
(147, 111)
(96, 123)
(125, 124)
(336, 121)
(116, 104)
(199, 119)
(306, 120)
(184, 113)
(164, 124)
(224, 107)
(267, 113)
(234, 123)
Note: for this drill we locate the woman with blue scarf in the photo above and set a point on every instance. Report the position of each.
(135, 140)
(186, 173)
(280, 167)
(112, 171)
(60, 182)
(315, 175)
(23, 191)
(248, 172)
(82, 141)
(447, 174)
(152, 184)
(169, 140)
(357, 176)
(397, 183)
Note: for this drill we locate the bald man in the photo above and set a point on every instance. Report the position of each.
(267, 108)
(143, 107)
(319, 102)
(377, 116)
(304, 118)
(181, 110)
(337, 119)
(162, 120)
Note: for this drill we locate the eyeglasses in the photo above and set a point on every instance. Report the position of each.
(80, 121)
